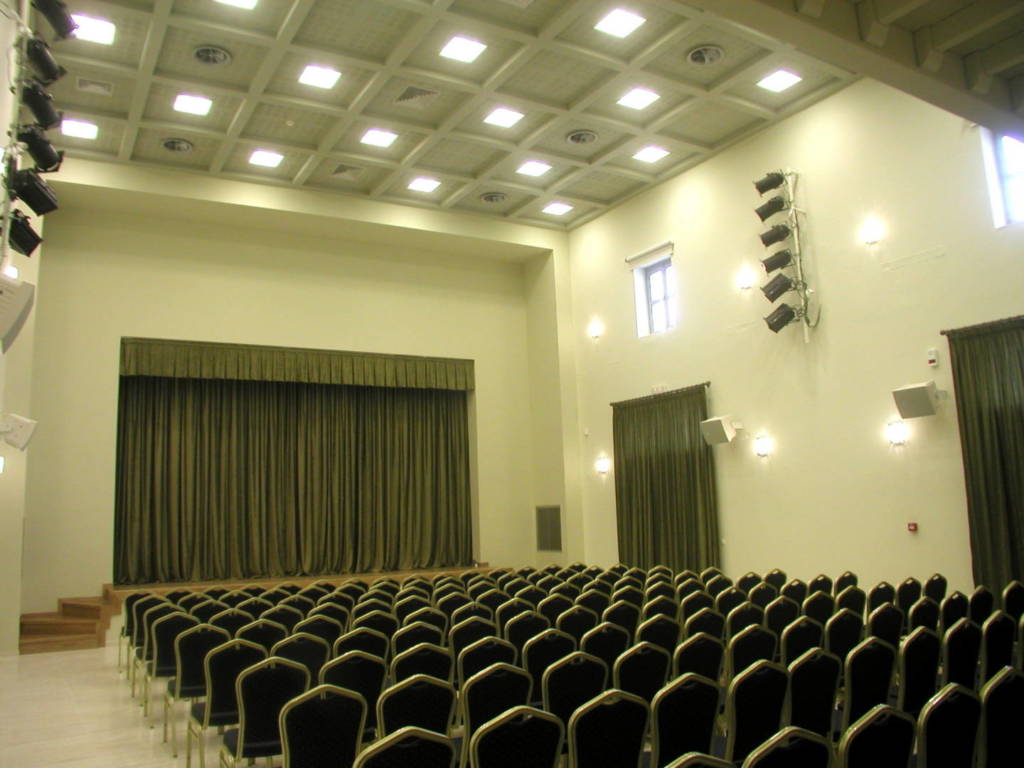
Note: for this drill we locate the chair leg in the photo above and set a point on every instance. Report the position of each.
(188, 743)
(145, 697)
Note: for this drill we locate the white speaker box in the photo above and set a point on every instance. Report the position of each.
(718, 429)
(916, 400)
(17, 430)
(16, 299)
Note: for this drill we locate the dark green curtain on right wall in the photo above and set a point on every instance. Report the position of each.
(665, 499)
(988, 375)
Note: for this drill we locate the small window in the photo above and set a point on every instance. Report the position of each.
(1010, 158)
(655, 287)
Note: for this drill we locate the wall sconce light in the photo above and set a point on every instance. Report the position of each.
(21, 236)
(595, 328)
(603, 465)
(763, 445)
(782, 316)
(47, 158)
(872, 230)
(897, 432)
(746, 278)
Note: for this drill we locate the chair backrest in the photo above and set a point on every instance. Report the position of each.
(430, 616)
(262, 690)
(883, 736)
(753, 707)
(717, 584)
(708, 621)
(819, 606)
(382, 621)
(790, 747)
(961, 647)
(571, 681)
(947, 728)
(852, 598)
(998, 634)
(883, 592)
(149, 618)
(325, 627)
(868, 675)
(522, 627)
(577, 621)
(363, 639)
(779, 614)
(918, 669)
(687, 587)
(138, 609)
(683, 717)
(413, 634)
(699, 760)
(542, 650)
(700, 654)
(553, 606)
(128, 611)
(1002, 700)
(810, 698)
(421, 701)
(263, 632)
(190, 649)
(908, 593)
(222, 666)
(165, 632)
(623, 613)
(843, 631)
(886, 623)
(608, 730)
(748, 581)
(953, 608)
(795, 590)
(660, 605)
(468, 631)
(641, 670)
(751, 645)
(409, 747)
(820, 583)
(423, 659)
(409, 605)
(762, 594)
(301, 647)
(935, 587)
(284, 614)
(361, 672)
(693, 604)
(481, 654)
(1013, 599)
(981, 603)
(323, 726)
(800, 636)
(776, 577)
(522, 736)
(843, 581)
(728, 599)
(492, 691)
(231, 619)
(661, 631)
(470, 609)
(207, 609)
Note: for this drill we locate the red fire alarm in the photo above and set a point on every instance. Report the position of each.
(912, 527)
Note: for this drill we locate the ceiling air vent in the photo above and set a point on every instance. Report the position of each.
(95, 87)
(347, 172)
(706, 55)
(175, 144)
(414, 96)
(213, 55)
(582, 136)
(493, 197)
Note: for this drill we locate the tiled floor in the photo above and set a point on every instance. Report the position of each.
(73, 709)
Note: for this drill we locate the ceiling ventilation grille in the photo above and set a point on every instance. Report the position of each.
(212, 55)
(493, 197)
(582, 136)
(705, 55)
(95, 87)
(176, 144)
(347, 172)
(416, 97)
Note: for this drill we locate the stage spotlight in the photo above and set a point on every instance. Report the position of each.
(781, 317)
(770, 181)
(56, 12)
(47, 159)
(776, 234)
(41, 103)
(29, 187)
(777, 260)
(769, 209)
(774, 288)
(42, 61)
(22, 237)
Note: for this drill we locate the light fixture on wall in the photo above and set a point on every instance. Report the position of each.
(56, 12)
(595, 328)
(37, 99)
(897, 432)
(746, 278)
(778, 260)
(603, 465)
(39, 147)
(39, 56)
(872, 230)
(764, 445)
(777, 286)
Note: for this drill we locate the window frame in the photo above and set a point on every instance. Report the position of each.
(644, 265)
(1006, 177)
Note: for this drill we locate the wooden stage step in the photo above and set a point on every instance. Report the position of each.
(79, 622)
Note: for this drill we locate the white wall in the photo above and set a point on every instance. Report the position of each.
(835, 495)
(111, 274)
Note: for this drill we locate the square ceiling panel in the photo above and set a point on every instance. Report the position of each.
(602, 186)
(107, 141)
(96, 89)
(213, 58)
(710, 123)
(347, 176)
(407, 139)
(813, 78)
(706, 56)
(582, 138)
(520, 15)
(288, 125)
(657, 23)
(285, 81)
(369, 30)
(607, 104)
(532, 119)
(492, 199)
(466, 158)
(552, 78)
(417, 102)
(180, 149)
(129, 35)
(266, 17)
(238, 162)
(427, 54)
(160, 106)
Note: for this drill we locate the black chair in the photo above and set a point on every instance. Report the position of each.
(283, 614)
(935, 587)
(744, 615)
(473, 609)
(222, 666)
(309, 650)
(792, 747)
(255, 606)
(606, 641)
(753, 708)
(323, 726)
(820, 583)
(883, 592)
(693, 604)
(481, 654)
(362, 639)
(263, 632)
(408, 747)
(409, 604)
(572, 681)
(595, 600)
(799, 637)
(1013, 600)
(795, 590)
(753, 644)
(361, 672)
(262, 689)
(577, 621)
(728, 599)
(430, 616)
(423, 659)
(687, 587)
(924, 613)
(420, 701)
(162, 663)
(868, 674)
(709, 573)
(748, 581)
(231, 619)
(301, 603)
(413, 634)
(762, 595)
(907, 593)
(659, 606)
(658, 589)
(882, 738)
(385, 623)
(843, 581)
(641, 670)
(124, 637)
(701, 654)
(717, 585)
(842, 632)
(553, 606)
(542, 650)
(776, 577)
(918, 669)
(810, 698)
(142, 652)
(522, 736)
(708, 621)
(886, 623)
(623, 613)
(683, 717)
(189, 681)
(661, 631)
(468, 631)
(853, 598)
(493, 598)
(961, 647)
(522, 627)
(608, 731)
(699, 760)
(1002, 700)
(779, 614)
(819, 606)
(981, 603)
(324, 627)
(998, 634)
(947, 729)
(531, 594)
(952, 609)
(487, 694)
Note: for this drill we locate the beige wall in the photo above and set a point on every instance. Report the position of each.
(111, 274)
(835, 495)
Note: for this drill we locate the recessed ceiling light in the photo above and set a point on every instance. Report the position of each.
(557, 209)
(80, 129)
(462, 49)
(651, 154)
(619, 23)
(423, 184)
(779, 80)
(266, 158)
(639, 98)
(533, 168)
(247, 4)
(321, 77)
(504, 117)
(94, 30)
(379, 138)
(194, 105)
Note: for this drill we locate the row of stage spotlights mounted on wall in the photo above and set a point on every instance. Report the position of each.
(37, 69)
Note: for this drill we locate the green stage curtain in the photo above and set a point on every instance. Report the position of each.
(665, 498)
(218, 478)
(988, 375)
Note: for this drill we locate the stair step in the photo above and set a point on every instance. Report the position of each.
(86, 608)
(49, 643)
(55, 624)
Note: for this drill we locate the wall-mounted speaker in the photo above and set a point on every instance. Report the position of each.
(718, 429)
(916, 400)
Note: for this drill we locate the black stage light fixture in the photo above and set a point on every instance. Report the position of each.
(769, 209)
(46, 67)
(56, 12)
(39, 147)
(777, 260)
(776, 234)
(773, 289)
(40, 102)
(22, 237)
(29, 187)
(769, 181)
(781, 317)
